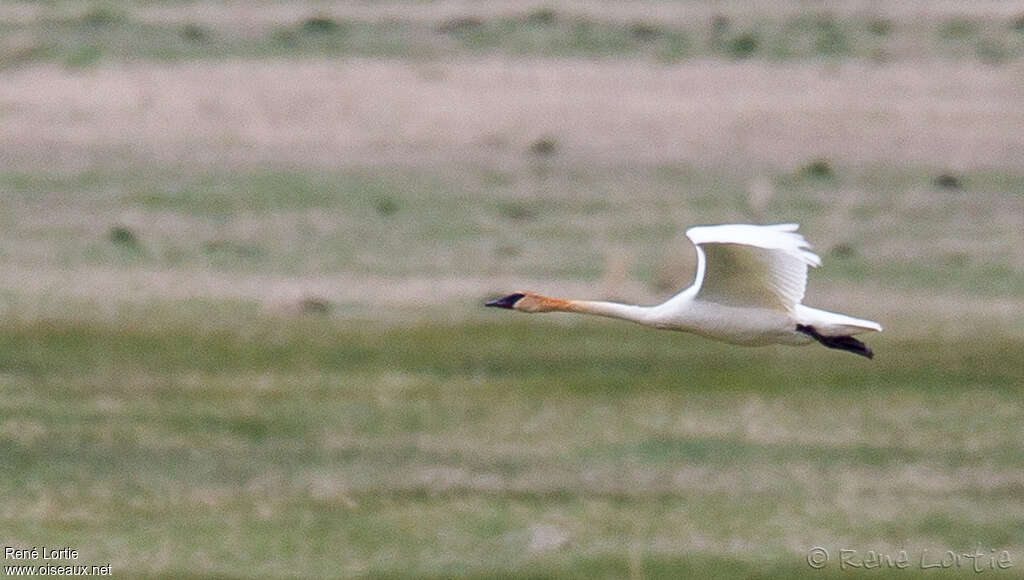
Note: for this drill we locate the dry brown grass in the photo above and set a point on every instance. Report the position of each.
(389, 112)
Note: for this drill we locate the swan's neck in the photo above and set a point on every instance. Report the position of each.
(630, 312)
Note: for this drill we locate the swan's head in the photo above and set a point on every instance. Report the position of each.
(526, 302)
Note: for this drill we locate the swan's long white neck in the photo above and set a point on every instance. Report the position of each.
(634, 313)
(531, 302)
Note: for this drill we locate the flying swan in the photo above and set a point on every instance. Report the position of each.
(749, 285)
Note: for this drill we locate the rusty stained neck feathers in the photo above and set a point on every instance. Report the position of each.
(532, 302)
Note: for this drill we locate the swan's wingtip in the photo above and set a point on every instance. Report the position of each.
(812, 259)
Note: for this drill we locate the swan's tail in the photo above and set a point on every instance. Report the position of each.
(832, 323)
(835, 330)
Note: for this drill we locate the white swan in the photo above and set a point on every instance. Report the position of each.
(749, 285)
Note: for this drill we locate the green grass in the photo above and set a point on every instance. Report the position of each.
(473, 221)
(122, 34)
(263, 193)
(314, 446)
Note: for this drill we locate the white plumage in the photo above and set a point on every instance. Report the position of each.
(748, 290)
(752, 265)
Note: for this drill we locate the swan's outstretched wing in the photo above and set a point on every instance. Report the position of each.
(752, 266)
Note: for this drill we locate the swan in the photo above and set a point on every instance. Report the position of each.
(748, 290)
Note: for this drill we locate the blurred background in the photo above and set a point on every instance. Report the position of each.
(244, 248)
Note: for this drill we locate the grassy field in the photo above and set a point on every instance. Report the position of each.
(232, 434)
(170, 444)
(244, 251)
(193, 445)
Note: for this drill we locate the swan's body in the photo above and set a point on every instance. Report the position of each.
(748, 288)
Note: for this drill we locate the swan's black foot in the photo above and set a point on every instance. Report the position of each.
(841, 342)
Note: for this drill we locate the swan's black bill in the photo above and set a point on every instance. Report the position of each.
(506, 302)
